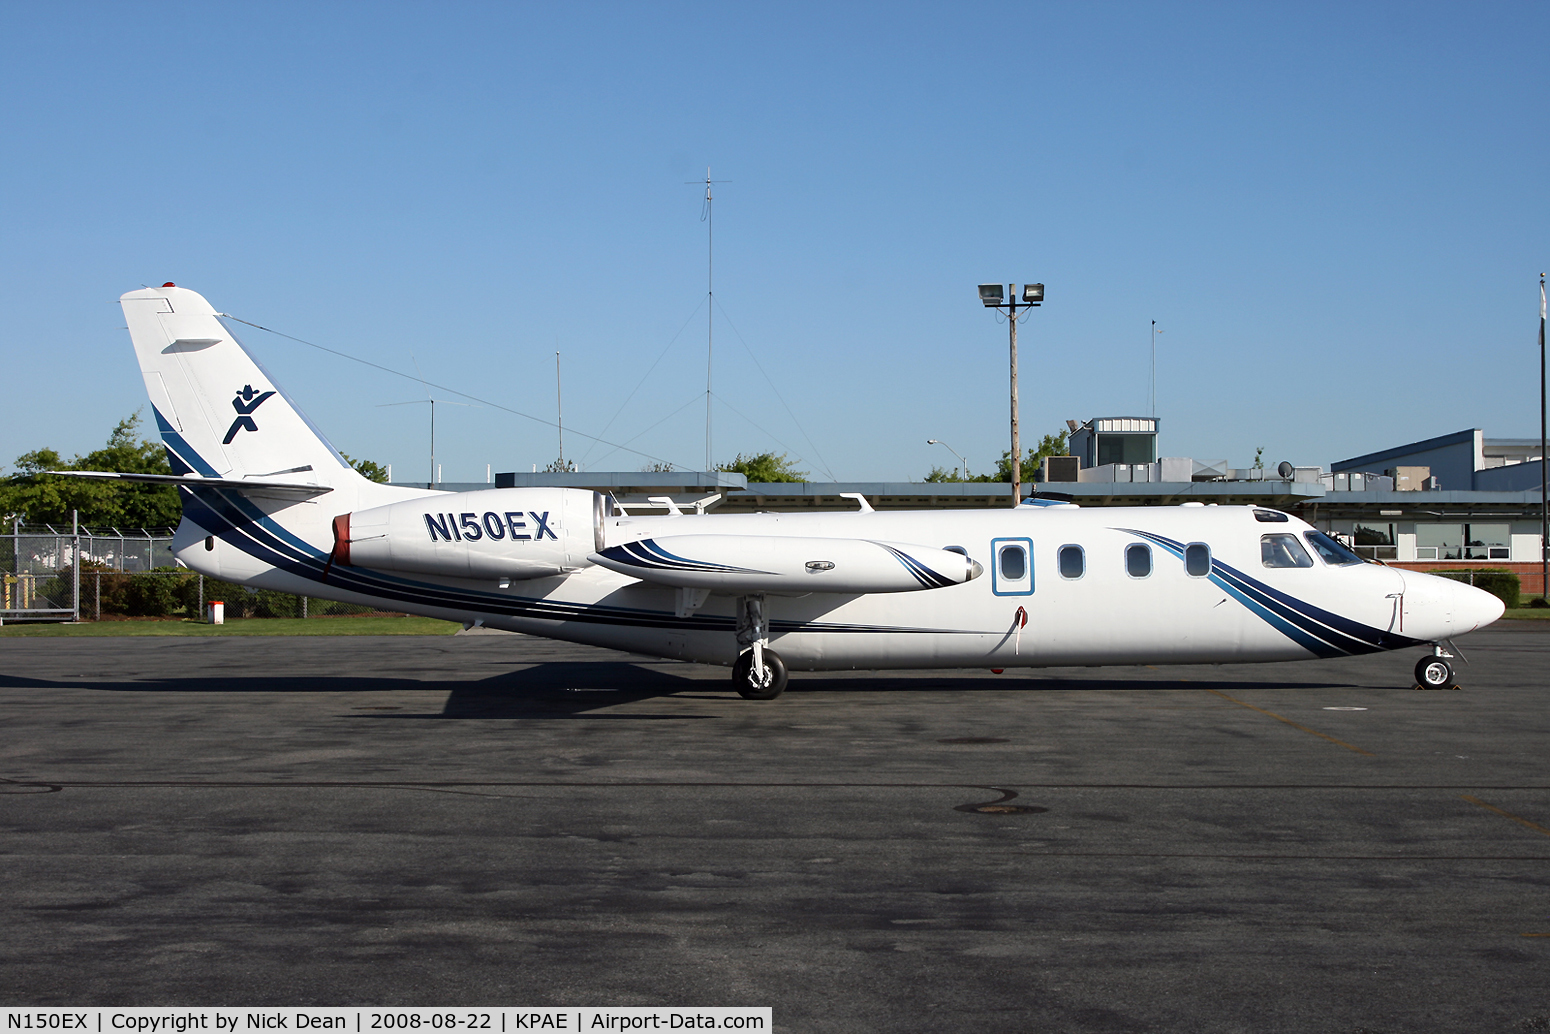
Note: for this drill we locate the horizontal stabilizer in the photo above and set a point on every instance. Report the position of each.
(195, 481)
(730, 564)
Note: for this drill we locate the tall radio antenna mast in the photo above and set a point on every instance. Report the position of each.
(706, 217)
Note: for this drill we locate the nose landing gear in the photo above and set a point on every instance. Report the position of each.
(1433, 673)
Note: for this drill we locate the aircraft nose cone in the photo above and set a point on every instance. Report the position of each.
(1474, 608)
(1437, 608)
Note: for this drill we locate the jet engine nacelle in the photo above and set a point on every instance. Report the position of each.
(497, 533)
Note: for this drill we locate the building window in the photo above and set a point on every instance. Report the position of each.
(1126, 448)
(1439, 542)
(1072, 561)
(1487, 541)
(1138, 560)
(1197, 559)
(1283, 551)
(1376, 541)
(1463, 541)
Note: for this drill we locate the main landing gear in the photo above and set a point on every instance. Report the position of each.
(759, 673)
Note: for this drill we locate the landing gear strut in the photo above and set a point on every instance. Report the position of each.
(759, 673)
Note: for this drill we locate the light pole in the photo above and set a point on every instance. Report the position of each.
(991, 297)
(955, 452)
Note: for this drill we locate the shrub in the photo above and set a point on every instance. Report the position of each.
(1497, 581)
(155, 593)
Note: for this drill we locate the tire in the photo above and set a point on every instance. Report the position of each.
(775, 675)
(1433, 673)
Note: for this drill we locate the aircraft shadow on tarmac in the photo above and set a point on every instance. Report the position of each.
(582, 689)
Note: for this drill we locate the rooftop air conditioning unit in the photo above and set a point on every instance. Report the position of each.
(1062, 468)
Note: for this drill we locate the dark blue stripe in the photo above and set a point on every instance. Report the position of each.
(179, 451)
(1340, 633)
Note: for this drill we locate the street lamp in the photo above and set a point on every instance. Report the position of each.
(955, 452)
(992, 298)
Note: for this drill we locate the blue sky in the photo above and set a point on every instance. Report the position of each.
(1335, 212)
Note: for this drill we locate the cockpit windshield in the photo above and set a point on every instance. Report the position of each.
(1330, 551)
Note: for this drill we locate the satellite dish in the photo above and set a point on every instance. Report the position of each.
(1286, 470)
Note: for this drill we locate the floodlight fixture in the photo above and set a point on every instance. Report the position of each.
(1033, 294)
(990, 295)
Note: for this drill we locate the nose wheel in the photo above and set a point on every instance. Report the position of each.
(1433, 673)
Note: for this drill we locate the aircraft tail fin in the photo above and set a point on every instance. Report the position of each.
(219, 412)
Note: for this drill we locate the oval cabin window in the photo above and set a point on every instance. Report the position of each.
(1014, 563)
(1197, 559)
(1138, 560)
(1072, 561)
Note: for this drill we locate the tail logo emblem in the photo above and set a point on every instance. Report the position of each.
(246, 401)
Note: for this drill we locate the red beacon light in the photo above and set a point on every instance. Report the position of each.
(169, 283)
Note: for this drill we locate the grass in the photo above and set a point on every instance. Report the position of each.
(240, 626)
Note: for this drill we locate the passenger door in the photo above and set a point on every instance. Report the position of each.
(1011, 567)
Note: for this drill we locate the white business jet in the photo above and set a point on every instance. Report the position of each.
(269, 503)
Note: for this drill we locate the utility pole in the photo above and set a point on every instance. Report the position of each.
(710, 302)
(992, 298)
(1017, 455)
(1544, 510)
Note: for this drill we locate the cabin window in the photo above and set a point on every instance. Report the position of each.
(1329, 550)
(1283, 551)
(1072, 561)
(1197, 559)
(1270, 517)
(956, 549)
(1014, 563)
(1138, 560)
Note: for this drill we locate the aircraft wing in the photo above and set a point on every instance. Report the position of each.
(195, 481)
(768, 563)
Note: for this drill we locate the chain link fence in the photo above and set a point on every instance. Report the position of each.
(98, 574)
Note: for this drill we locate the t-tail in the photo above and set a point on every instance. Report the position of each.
(260, 484)
(219, 412)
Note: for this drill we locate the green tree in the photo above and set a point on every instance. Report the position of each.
(36, 497)
(943, 475)
(763, 467)
(1033, 463)
(368, 469)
